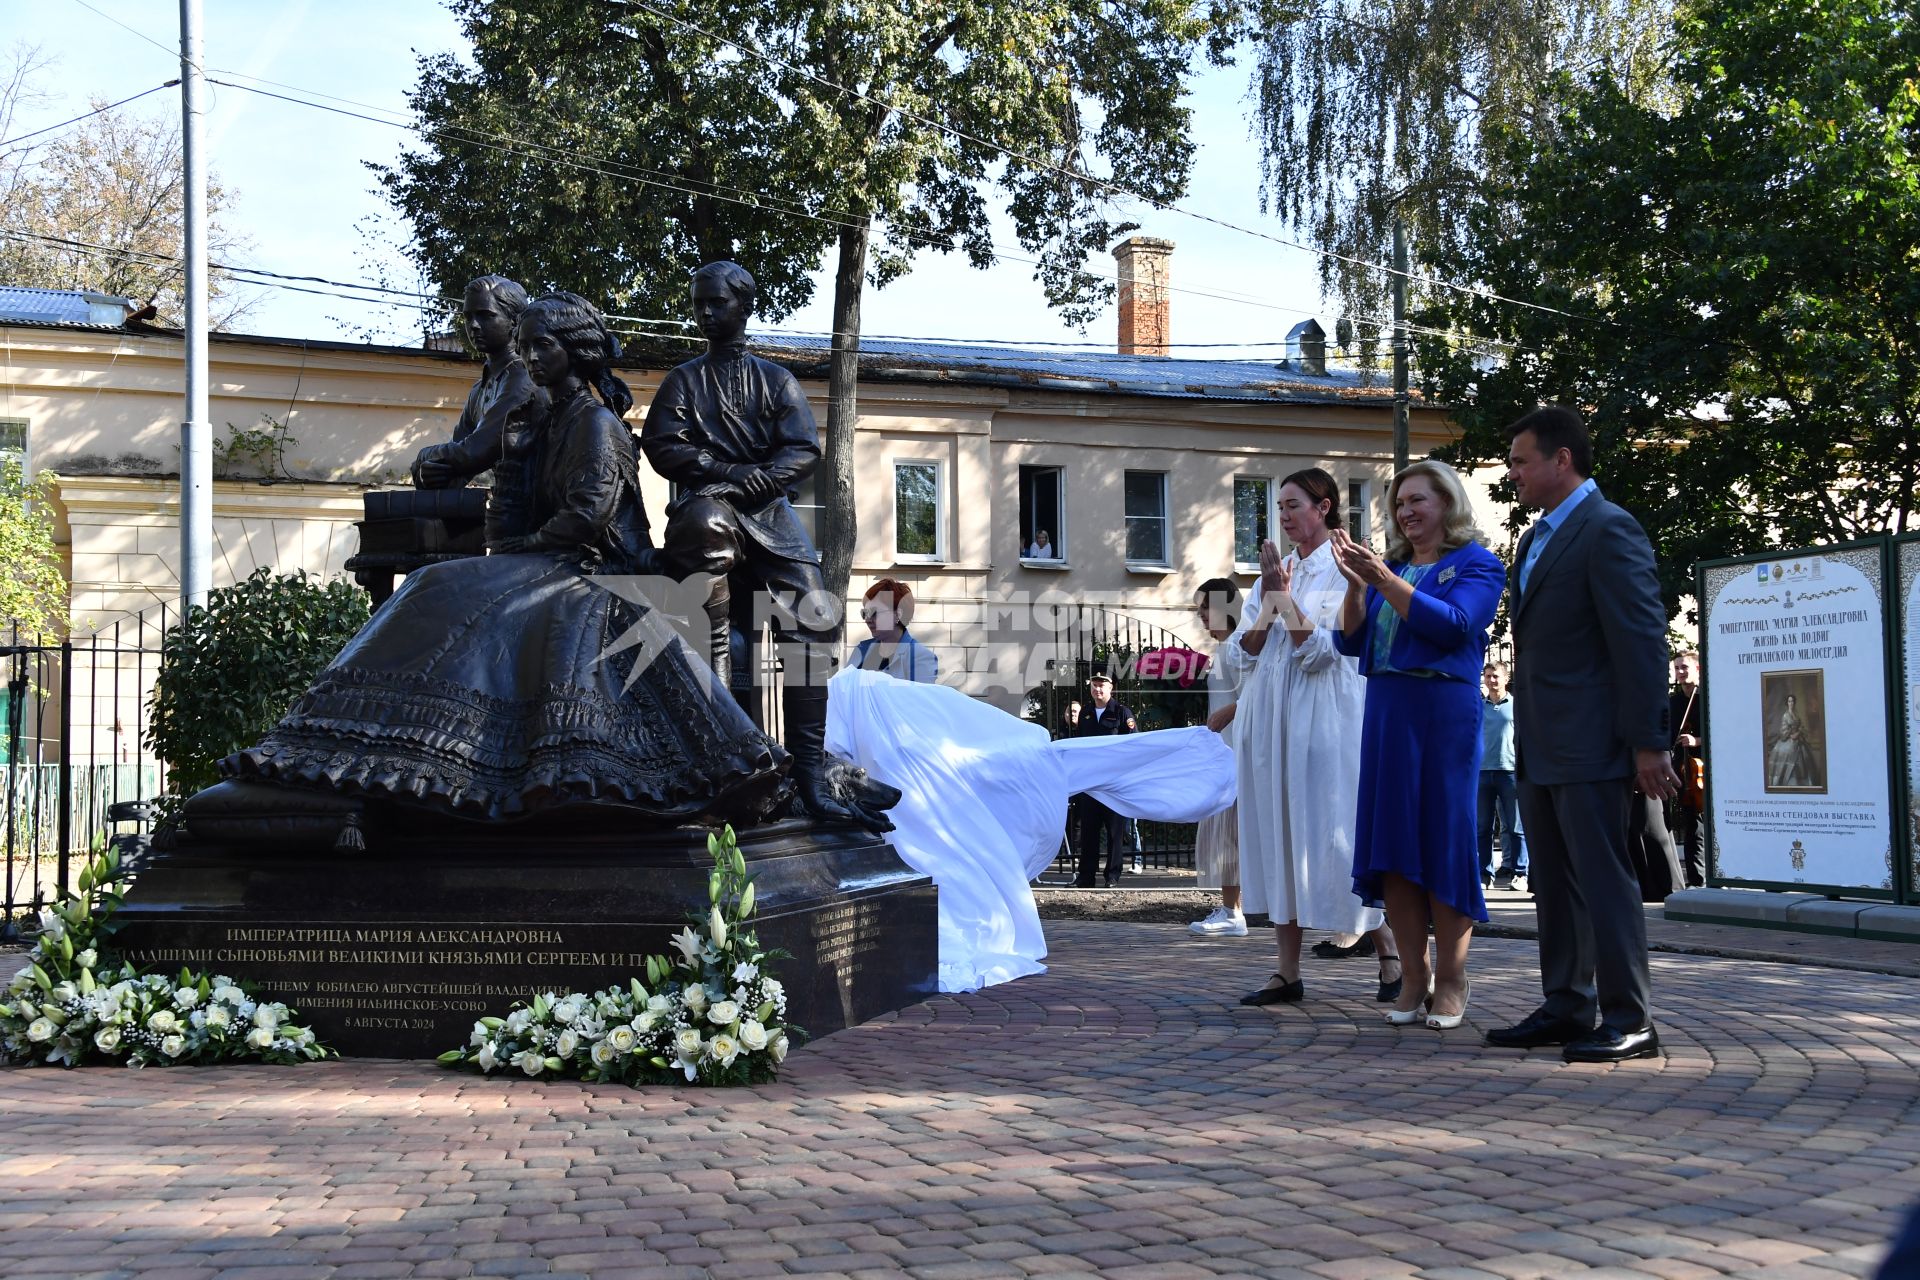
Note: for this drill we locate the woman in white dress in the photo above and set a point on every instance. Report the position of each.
(1216, 842)
(1297, 746)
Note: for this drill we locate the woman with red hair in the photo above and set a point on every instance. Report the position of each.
(886, 608)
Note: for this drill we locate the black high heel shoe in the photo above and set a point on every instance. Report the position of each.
(1390, 991)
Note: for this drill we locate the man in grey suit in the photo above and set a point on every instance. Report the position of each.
(1590, 717)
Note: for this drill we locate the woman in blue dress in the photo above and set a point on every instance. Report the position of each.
(1418, 620)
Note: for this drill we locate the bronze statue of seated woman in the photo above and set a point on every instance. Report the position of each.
(505, 686)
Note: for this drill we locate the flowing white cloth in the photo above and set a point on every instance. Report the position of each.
(984, 799)
(1297, 743)
(1216, 844)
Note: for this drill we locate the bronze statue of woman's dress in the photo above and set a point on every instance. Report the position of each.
(491, 687)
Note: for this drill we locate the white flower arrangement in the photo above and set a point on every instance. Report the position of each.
(709, 1014)
(77, 1004)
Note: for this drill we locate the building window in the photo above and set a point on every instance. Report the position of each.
(806, 505)
(1359, 510)
(13, 444)
(1147, 517)
(919, 524)
(1043, 502)
(1253, 520)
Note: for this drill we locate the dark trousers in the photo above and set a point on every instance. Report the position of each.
(1686, 827)
(1593, 933)
(1500, 798)
(1096, 818)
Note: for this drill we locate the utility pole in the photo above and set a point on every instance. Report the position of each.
(1402, 445)
(196, 444)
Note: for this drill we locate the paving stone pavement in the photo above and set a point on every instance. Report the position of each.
(1119, 1116)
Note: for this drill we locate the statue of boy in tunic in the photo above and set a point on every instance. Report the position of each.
(503, 402)
(735, 433)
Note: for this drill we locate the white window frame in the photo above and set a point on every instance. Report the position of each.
(940, 553)
(1360, 511)
(1165, 517)
(1273, 519)
(26, 447)
(809, 487)
(1059, 536)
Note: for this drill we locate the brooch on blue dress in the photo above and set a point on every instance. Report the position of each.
(1446, 576)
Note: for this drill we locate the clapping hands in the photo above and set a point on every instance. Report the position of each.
(1276, 571)
(1359, 564)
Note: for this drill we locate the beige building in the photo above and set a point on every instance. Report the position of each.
(1148, 473)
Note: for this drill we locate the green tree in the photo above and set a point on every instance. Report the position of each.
(1368, 109)
(33, 590)
(1735, 300)
(229, 670)
(806, 129)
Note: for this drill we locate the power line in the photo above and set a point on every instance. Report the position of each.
(88, 115)
(1087, 179)
(174, 53)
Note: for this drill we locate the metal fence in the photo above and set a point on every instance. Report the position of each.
(72, 748)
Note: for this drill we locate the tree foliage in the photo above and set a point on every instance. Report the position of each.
(33, 590)
(1365, 109)
(113, 180)
(229, 671)
(1745, 315)
(613, 154)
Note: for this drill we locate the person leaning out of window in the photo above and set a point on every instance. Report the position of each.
(886, 609)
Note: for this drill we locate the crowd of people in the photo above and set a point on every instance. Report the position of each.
(1378, 749)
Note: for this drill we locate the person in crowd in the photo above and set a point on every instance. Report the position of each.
(1418, 620)
(1589, 678)
(1685, 712)
(1216, 842)
(1498, 797)
(1042, 548)
(886, 608)
(1297, 746)
(1103, 718)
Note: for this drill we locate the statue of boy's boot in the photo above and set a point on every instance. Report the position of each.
(827, 787)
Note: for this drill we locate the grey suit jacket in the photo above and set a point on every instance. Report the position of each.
(1590, 651)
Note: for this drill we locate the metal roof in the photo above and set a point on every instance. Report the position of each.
(1086, 371)
(81, 307)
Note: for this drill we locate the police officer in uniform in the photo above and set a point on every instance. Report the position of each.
(1101, 718)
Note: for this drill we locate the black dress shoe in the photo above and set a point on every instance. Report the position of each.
(1605, 1044)
(1286, 993)
(1326, 950)
(1536, 1029)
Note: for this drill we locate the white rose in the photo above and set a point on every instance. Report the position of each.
(260, 1038)
(695, 997)
(227, 993)
(745, 972)
(753, 1035)
(107, 1039)
(723, 1049)
(163, 1022)
(686, 1044)
(187, 997)
(88, 958)
(41, 1030)
(778, 1048)
(647, 1021)
(566, 1011)
(659, 1004)
(173, 1046)
(530, 1061)
(267, 1016)
(219, 1017)
(602, 1053)
(724, 1014)
(566, 1044)
(621, 1040)
(64, 991)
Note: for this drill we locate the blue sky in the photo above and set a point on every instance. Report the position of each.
(301, 190)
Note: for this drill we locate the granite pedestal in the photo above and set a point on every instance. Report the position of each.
(393, 954)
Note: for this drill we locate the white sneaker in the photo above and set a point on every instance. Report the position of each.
(1221, 924)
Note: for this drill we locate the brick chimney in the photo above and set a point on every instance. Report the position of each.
(1144, 269)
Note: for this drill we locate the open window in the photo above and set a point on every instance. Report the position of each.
(1043, 504)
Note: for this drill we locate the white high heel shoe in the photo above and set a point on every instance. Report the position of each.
(1407, 1017)
(1448, 1021)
